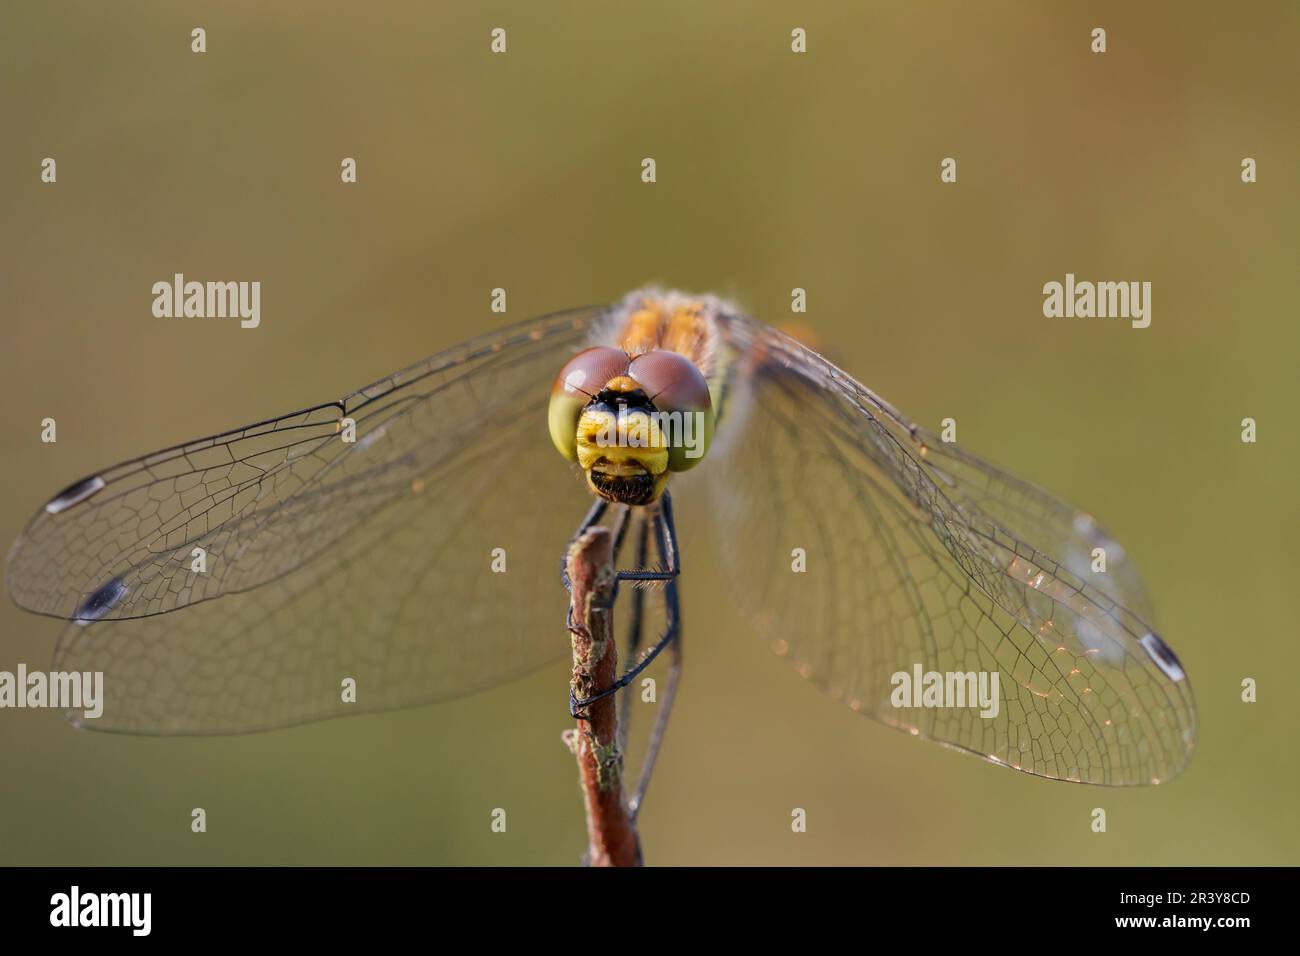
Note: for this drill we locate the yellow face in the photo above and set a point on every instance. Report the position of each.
(630, 421)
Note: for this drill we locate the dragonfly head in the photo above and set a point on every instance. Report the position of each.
(630, 421)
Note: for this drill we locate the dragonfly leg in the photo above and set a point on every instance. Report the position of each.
(620, 529)
(668, 553)
(594, 514)
(672, 609)
(634, 629)
(578, 707)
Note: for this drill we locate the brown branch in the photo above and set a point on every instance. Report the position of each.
(611, 835)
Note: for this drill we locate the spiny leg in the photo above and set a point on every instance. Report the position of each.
(594, 514)
(665, 539)
(634, 629)
(670, 553)
(620, 529)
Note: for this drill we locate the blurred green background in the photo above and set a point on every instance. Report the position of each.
(775, 170)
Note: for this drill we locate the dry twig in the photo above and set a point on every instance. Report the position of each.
(611, 835)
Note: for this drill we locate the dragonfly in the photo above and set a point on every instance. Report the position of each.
(406, 536)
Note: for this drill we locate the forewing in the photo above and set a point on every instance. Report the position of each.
(265, 499)
(917, 562)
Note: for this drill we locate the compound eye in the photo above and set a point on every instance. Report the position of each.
(677, 388)
(582, 377)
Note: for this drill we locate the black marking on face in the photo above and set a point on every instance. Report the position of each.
(610, 400)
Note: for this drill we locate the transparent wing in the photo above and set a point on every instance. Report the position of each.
(265, 499)
(1055, 528)
(375, 559)
(922, 559)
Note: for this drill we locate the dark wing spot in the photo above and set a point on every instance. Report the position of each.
(74, 494)
(1164, 657)
(98, 604)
